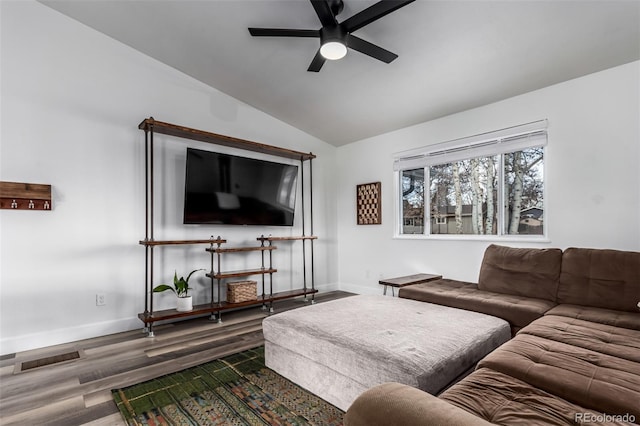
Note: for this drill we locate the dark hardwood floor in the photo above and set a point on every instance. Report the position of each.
(77, 390)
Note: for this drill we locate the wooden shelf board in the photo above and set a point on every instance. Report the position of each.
(34, 191)
(292, 293)
(300, 237)
(172, 313)
(179, 242)
(243, 273)
(214, 138)
(289, 294)
(240, 249)
(215, 307)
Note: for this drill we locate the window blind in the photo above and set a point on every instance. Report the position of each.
(483, 145)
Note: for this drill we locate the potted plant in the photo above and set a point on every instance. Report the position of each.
(181, 289)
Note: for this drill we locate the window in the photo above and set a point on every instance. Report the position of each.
(413, 201)
(491, 184)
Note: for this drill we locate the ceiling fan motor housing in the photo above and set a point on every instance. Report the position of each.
(329, 34)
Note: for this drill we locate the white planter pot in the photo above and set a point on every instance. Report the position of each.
(185, 304)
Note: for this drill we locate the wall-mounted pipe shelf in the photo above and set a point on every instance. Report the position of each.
(216, 306)
(25, 196)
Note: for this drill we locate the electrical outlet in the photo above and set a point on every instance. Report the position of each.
(101, 299)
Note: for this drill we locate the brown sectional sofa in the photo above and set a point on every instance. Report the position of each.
(518, 285)
(575, 357)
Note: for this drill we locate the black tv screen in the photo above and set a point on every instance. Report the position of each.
(227, 189)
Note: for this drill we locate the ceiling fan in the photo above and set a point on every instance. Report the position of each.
(336, 37)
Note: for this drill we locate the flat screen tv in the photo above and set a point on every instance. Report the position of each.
(227, 189)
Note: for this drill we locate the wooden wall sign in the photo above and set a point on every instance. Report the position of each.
(369, 203)
(25, 196)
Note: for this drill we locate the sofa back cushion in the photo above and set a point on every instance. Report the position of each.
(600, 278)
(523, 272)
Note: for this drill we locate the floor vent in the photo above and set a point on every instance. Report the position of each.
(36, 363)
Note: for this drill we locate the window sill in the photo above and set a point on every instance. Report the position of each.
(492, 238)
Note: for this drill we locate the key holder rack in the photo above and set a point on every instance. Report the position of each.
(25, 196)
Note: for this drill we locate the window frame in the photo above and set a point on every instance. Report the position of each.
(537, 128)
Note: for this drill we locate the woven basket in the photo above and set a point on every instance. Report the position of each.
(241, 291)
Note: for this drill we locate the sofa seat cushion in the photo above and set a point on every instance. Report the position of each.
(505, 400)
(518, 310)
(594, 380)
(603, 316)
(526, 272)
(607, 279)
(616, 341)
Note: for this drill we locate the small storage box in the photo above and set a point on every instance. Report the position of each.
(242, 291)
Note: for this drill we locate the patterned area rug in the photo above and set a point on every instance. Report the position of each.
(236, 390)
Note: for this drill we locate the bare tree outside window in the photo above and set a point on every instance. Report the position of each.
(523, 192)
(412, 201)
(464, 196)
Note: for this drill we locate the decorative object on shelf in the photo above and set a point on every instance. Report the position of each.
(25, 196)
(242, 291)
(369, 203)
(181, 289)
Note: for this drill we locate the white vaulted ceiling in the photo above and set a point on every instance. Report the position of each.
(453, 55)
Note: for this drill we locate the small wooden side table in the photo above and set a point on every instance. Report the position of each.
(407, 280)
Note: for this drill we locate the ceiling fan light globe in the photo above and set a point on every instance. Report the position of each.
(333, 50)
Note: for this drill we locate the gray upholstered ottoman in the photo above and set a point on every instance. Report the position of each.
(341, 348)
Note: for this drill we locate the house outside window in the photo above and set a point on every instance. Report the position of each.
(486, 185)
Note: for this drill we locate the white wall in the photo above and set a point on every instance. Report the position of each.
(71, 102)
(592, 178)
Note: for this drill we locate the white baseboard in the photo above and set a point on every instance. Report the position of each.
(362, 289)
(67, 335)
(324, 288)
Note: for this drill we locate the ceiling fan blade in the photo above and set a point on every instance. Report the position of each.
(317, 63)
(377, 52)
(282, 32)
(323, 10)
(372, 13)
